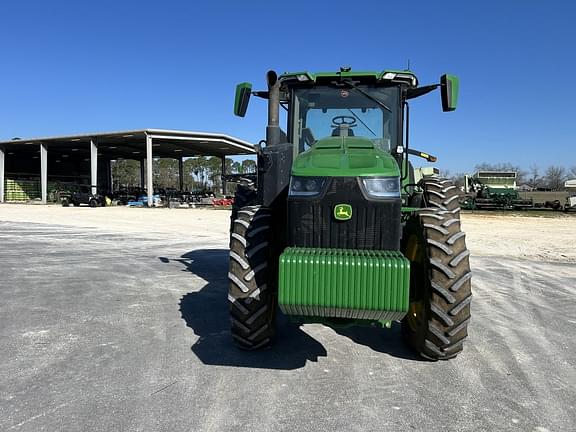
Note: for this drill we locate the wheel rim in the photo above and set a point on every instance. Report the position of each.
(415, 316)
(416, 309)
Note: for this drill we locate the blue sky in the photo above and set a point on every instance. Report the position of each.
(82, 66)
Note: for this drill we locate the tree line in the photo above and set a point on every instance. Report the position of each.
(204, 173)
(550, 178)
(200, 173)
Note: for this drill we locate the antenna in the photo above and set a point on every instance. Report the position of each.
(408, 66)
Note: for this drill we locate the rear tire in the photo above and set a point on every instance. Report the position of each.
(252, 299)
(93, 203)
(246, 195)
(440, 278)
(441, 193)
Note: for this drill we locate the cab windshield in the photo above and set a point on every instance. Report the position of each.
(369, 112)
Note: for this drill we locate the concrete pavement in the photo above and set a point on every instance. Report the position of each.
(101, 330)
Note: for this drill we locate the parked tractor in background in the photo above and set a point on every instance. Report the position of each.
(338, 229)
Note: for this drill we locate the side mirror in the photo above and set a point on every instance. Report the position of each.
(449, 90)
(243, 92)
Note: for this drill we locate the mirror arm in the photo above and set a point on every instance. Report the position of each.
(261, 94)
(420, 91)
(423, 155)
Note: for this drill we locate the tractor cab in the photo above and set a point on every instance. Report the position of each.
(365, 110)
(326, 111)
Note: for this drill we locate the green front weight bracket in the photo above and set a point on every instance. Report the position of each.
(344, 283)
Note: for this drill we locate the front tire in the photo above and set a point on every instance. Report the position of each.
(252, 300)
(440, 278)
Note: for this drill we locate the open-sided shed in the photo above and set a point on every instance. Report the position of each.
(91, 154)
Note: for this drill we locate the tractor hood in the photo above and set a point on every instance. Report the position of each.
(345, 157)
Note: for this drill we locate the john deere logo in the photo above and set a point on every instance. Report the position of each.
(343, 212)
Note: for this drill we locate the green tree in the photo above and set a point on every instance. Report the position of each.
(197, 169)
(199, 173)
(125, 173)
(166, 173)
(215, 172)
(236, 168)
(248, 166)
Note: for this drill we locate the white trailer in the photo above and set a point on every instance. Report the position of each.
(570, 186)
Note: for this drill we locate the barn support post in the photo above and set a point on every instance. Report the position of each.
(93, 166)
(149, 173)
(44, 173)
(2, 165)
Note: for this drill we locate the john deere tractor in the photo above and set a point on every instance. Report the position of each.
(339, 228)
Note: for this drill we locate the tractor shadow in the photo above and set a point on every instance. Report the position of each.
(206, 313)
(382, 340)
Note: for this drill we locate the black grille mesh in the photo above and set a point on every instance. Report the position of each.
(374, 224)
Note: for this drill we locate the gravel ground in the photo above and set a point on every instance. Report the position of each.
(116, 319)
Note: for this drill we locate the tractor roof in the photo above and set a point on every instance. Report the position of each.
(368, 77)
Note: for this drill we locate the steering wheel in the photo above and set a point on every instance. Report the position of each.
(343, 120)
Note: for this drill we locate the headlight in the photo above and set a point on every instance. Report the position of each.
(381, 187)
(306, 186)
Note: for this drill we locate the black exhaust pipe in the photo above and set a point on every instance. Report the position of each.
(275, 160)
(273, 129)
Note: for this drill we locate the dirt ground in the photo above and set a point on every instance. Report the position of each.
(122, 219)
(117, 319)
(548, 237)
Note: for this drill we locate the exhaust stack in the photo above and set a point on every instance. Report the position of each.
(273, 128)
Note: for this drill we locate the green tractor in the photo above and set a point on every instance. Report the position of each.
(338, 227)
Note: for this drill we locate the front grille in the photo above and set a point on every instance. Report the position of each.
(374, 225)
